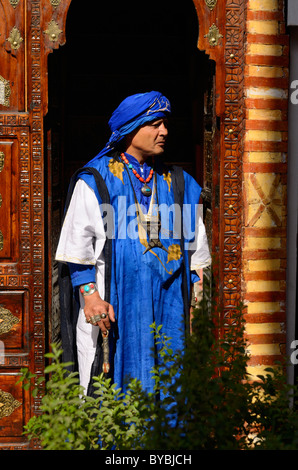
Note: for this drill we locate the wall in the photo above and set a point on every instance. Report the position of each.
(292, 192)
(264, 182)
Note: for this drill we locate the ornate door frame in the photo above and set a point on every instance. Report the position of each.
(221, 36)
(31, 29)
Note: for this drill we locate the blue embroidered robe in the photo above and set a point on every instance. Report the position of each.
(145, 288)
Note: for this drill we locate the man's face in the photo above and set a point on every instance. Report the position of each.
(149, 140)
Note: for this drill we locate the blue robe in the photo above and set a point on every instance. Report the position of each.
(144, 288)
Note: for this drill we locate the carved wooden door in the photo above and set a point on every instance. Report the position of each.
(17, 242)
(29, 30)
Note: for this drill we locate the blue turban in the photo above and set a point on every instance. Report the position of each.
(133, 112)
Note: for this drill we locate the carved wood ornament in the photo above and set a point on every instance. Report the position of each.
(227, 50)
(29, 31)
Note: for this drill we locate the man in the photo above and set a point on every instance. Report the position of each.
(132, 256)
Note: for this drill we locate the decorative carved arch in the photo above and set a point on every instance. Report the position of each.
(221, 36)
(53, 20)
(211, 19)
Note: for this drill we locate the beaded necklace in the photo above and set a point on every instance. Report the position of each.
(151, 224)
(146, 190)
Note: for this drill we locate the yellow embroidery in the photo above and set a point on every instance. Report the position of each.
(174, 253)
(116, 168)
(168, 179)
(169, 272)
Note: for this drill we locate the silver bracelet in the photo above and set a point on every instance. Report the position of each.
(88, 289)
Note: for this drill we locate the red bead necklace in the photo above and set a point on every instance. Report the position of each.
(145, 189)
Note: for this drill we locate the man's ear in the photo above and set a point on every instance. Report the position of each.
(126, 141)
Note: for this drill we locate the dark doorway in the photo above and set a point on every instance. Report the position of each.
(121, 48)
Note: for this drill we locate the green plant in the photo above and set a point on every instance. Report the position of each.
(69, 420)
(203, 399)
(63, 421)
(273, 410)
(206, 406)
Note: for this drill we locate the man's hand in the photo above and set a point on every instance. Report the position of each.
(94, 305)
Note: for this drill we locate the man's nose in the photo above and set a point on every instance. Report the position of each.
(163, 130)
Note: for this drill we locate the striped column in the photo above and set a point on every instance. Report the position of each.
(264, 182)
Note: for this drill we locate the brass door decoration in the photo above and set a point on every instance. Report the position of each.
(213, 35)
(15, 38)
(7, 404)
(4, 94)
(55, 3)
(14, 3)
(7, 320)
(53, 31)
(211, 4)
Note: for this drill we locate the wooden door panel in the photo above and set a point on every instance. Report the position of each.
(14, 408)
(14, 326)
(13, 26)
(15, 281)
(15, 345)
(9, 185)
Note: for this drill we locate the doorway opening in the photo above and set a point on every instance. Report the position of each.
(122, 50)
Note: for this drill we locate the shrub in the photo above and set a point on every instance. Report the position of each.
(203, 399)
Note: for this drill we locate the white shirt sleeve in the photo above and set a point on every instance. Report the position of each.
(82, 235)
(199, 250)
